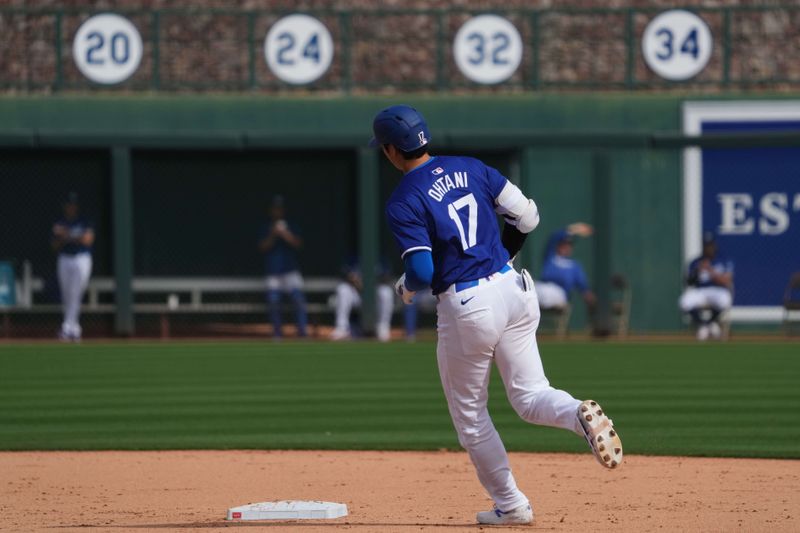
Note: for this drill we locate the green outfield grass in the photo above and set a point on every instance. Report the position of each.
(669, 399)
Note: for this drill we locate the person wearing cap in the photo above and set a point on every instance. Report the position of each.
(708, 293)
(443, 215)
(72, 239)
(560, 272)
(279, 242)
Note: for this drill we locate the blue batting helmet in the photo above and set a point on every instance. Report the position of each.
(401, 126)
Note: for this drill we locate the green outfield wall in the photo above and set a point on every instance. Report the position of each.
(201, 170)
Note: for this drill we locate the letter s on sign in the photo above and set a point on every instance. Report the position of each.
(774, 216)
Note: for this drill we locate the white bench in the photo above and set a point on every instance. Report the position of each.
(193, 294)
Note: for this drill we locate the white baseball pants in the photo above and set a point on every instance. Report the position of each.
(496, 321)
(347, 297)
(286, 282)
(550, 295)
(718, 298)
(73, 277)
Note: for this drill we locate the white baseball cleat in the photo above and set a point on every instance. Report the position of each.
(703, 332)
(340, 334)
(600, 434)
(383, 332)
(715, 330)
(521, 515)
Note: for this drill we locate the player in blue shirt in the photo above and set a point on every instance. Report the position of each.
(709, 283)
(560, 273)
(442, 215)
(72, 239)
(279, 242)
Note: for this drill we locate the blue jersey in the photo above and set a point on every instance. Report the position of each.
(75, 229)
(282, 257)
(702, 278)
(446, 206)
(563, 271)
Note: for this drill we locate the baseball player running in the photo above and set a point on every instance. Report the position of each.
(442, 215)
(72, 240)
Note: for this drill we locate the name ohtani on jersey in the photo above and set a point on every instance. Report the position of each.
(443, 185)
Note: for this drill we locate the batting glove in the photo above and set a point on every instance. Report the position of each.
(403, 292)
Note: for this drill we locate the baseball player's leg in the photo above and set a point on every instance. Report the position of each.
(692, 301)
(464, 354)
(83, 270)
(347, 297)
(517, 358)
(719, 298)
(693, 298)
(520, 365)
(293, 284)
(62, 269)
(385, 303)
(550, 295)
(70, 280)
(273, 295)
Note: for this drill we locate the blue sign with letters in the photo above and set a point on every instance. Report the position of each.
(749, 198)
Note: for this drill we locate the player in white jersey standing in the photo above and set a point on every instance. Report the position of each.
(72, 240)
(442, 215)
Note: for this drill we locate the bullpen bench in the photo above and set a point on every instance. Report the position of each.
(189, 295)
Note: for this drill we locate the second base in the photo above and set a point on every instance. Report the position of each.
(288, 510)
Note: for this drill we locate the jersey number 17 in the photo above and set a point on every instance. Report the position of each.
(469, 238)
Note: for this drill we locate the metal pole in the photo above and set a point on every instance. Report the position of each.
(251, 52)
(59, 82)
(536, 27)
(630, 56)
(347, 40)
(441, 81)
(122, 220)
(726, 48)
(155, 29)
(368, 232)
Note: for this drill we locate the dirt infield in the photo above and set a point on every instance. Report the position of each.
(389, 491)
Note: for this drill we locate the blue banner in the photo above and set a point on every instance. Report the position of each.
(751, 201)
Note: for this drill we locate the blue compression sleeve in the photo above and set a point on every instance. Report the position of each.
(419, 270)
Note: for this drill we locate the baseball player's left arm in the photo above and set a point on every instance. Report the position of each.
(87, 237)
(724, 279)
(59, 237)
(292, 239)
(412, 236)
(418, 275)
(521, 216)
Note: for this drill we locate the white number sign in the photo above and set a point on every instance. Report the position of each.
(677, 44)
(107, 48)
(488, 49)
(298, 49)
